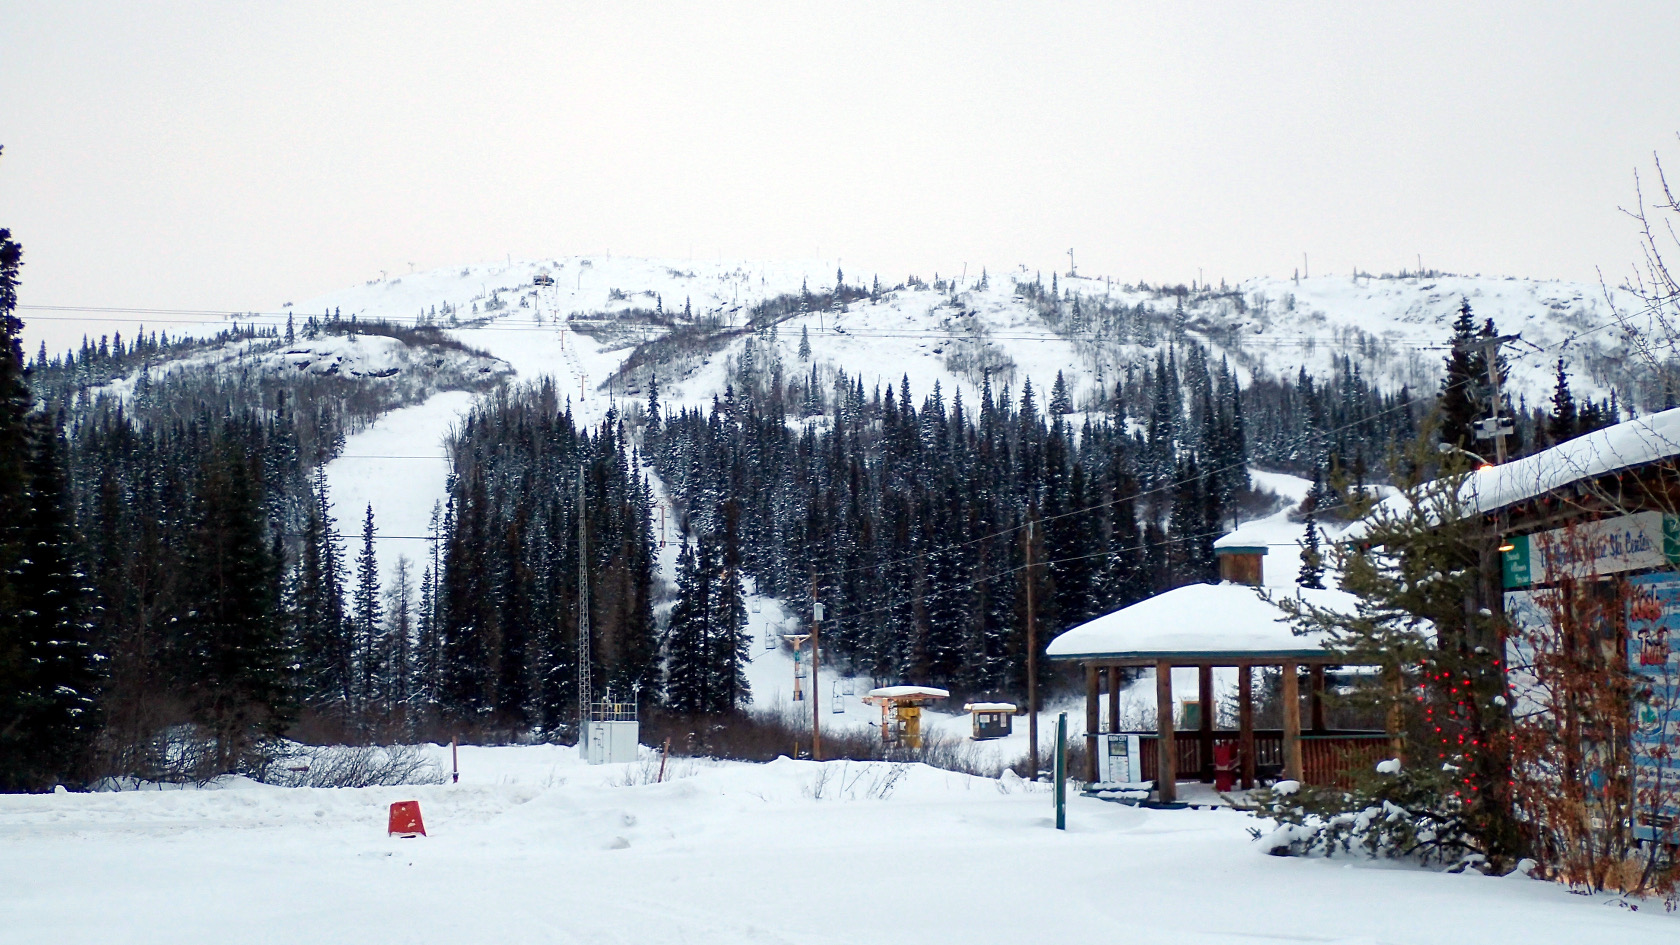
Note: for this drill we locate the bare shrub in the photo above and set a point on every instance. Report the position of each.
(651, 768)
(353, 766)
(768, 735)
(872, 780)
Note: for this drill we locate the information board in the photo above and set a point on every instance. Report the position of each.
(1654, 660)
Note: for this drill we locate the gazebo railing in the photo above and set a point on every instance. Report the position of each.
(1326, 757)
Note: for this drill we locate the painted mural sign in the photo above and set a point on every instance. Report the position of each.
(1608, 546)
(1654, 660)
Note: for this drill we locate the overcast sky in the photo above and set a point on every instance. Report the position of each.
(238, 155)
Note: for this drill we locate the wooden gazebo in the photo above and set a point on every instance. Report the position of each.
(1208, 626)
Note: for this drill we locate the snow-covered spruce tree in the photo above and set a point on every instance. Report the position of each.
(1421, 574)
(1312, 556)
(1466, 373)
(398, 647)
(53, 716)
(687, 679)
(320, 634)
(365, 615)
(14, 506)
(728, 649)
(1061, 404)
(231, 645)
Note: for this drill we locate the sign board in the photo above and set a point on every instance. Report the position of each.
(1654, 661)
(1608, 546)
(1117, 758)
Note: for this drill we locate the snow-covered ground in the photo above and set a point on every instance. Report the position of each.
(534, 846)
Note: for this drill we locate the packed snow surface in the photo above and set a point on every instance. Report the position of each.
(534, 846)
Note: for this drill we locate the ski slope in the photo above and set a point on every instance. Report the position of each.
(534, 846)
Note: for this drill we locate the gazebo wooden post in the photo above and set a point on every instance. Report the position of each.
(1317, 697)
(1291, 722)
(1092, 721)
(1204, 695)
(1166, 764)
(1245, 721)
(1114, 698)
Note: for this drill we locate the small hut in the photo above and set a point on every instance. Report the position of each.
(991, 719)
(901, 712)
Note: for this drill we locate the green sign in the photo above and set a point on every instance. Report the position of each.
(1515, 562)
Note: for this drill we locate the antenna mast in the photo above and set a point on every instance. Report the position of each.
(584, 648)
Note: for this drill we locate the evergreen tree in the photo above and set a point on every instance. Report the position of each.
(232, 648)
(51, 718)
(804, 343)
(1465, 375)
(399, 645)
(1563, 423)
(365, 618)
(1060, 403)
(14, 496)
(729, 649)
(654, 410)
(1312, 559)
(687, 670)
(321, 634)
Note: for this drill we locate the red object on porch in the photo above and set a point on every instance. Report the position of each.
(1224, 766)
(405, 820)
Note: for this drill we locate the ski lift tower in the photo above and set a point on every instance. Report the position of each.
(797, 640)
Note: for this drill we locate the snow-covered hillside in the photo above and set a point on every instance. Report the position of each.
(584, 326)
(1394, 329)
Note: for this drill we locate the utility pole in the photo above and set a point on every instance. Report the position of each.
(1495, 427)
(1032, 661)
(583, 647)
(816, 668)
(1072, 270)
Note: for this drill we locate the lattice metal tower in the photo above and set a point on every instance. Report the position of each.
(584, 649)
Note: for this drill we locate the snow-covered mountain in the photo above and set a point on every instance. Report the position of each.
(595, 323)
(1393, 328)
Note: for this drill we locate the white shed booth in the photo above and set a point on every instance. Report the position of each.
(1208, 625)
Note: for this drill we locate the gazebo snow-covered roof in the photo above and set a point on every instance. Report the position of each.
(1197, 623)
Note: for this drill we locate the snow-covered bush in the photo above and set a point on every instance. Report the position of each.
(1395, 811)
